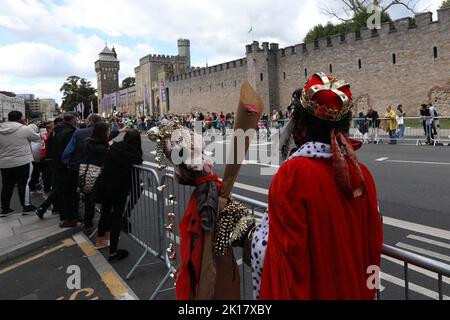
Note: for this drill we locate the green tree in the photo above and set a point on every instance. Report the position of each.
(128, 83)
(77, 90)
(355, 16)
(445, 4)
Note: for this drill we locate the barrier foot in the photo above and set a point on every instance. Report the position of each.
(160, 286)
(93, 234)
(130, 274)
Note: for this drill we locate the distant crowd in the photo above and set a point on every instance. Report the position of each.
(393, 122)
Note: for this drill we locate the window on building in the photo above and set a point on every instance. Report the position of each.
(104, 76)
(284, 75)
(359, 64)
(262, 77)
(306, 73)
(331, 68)
(394, 58)
(235, 83)
(435, 52)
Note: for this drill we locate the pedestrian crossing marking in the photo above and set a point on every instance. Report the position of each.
(423, 251)
(429, 241)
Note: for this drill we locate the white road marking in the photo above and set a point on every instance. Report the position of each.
(420, 162)
(414, 227)
(423, 251)
(412, 287)
(417, 269)
(429, 241)
(420, 228)
(382, 159)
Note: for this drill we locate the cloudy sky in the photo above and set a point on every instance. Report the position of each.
(42, 42)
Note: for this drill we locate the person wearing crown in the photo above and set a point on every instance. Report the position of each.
(322, 236)
(200, 275)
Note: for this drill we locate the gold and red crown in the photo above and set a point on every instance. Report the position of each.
(327, 97)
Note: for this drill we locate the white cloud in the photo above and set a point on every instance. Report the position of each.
(52, 40)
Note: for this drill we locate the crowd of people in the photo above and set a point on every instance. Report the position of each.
(393, 122)
(217, 122)
(289, 257)
(59, 159)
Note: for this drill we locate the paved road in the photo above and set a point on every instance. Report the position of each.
(414, 197)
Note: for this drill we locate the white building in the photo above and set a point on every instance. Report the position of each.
(8, 104)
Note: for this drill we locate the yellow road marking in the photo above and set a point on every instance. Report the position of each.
(66, 243)
(88, 249)
(114, 285)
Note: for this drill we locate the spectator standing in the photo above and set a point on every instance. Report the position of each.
(15, 161)
(427, 121)
(435, 115)
(116, 186)
(97, 147)
(401, 121)
(64, 183)
(50, 164)
(34, 184)
(392, 125)
(374, 123)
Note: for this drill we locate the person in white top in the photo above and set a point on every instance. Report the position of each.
(401, 121)
(15, 160)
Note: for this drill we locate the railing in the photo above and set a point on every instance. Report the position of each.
(157, 208)
(415, 130)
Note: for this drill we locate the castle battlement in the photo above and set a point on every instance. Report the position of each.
(420, 22)
(158, 58)
(203, 71)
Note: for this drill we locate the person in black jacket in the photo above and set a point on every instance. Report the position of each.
(49, 164)
(116, 185)
(97, 147)
(60, 141)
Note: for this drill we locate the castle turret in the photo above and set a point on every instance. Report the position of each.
(107, 68)
(184, 50)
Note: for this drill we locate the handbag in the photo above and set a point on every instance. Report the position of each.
(88, 175)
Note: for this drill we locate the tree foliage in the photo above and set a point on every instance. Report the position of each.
(77, 90)
(354, 15)
(445, 4)
(128, 83)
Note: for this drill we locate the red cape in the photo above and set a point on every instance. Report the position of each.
(321, 242)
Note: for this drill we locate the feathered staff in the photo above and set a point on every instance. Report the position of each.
(248, 115)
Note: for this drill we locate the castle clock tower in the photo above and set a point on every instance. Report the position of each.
(107, 68)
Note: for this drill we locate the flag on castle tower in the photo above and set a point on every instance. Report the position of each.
(117, 100)
(163, 92)
(82, 110)
(145, 97)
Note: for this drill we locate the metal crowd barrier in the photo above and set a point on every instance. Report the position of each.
(416, 130)
(143, 214)
(159, 208)
(436, 130)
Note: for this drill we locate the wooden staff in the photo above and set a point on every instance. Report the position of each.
(248, 115)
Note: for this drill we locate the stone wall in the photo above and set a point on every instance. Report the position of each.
(212, 89)
(420, 49)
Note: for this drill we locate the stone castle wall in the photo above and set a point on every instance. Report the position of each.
(365, 59)
(212, 89)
